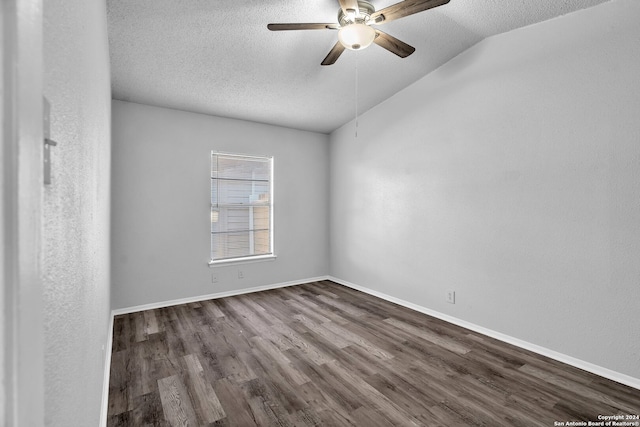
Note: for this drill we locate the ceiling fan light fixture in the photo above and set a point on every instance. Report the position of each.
(356, 36)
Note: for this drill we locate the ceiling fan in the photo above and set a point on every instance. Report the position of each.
(355, 31)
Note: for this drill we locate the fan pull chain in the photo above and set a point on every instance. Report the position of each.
(356, 93)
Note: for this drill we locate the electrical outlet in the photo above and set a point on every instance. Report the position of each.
(451, 297)
(214, 278)
(240, 274)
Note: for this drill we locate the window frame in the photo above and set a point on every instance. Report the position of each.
(247, 258)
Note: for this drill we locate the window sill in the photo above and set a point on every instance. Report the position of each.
(245, 260)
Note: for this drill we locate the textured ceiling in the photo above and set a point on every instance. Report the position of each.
(217, 57)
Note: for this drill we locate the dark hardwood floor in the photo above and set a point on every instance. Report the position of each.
(322, 354)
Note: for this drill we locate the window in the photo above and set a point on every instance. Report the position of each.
(241, 207)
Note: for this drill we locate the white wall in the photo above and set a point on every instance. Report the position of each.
(76, 211)
(161, 203)
(22, 337)
(512, 176)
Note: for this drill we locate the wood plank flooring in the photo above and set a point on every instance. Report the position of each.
(321, 354)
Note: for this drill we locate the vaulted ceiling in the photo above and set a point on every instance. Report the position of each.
(217, 57)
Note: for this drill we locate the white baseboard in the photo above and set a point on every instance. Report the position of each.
(224, 294)
(107, 371)
(581, 364)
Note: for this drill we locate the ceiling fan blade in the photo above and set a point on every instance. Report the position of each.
(393, 45)
(285, 27)
(349, 5)
(404, 8)
(334, 54)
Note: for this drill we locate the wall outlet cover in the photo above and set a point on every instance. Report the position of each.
(451, 297)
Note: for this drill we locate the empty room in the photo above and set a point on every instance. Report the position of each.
(320, 213)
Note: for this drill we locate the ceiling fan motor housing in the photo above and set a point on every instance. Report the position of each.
(357, 16)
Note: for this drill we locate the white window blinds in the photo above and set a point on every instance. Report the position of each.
(241, 206)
